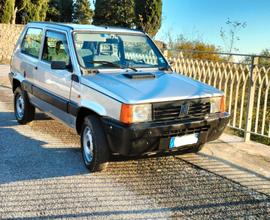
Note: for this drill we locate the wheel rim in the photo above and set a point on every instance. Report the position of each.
(20, 106)
(88, 145)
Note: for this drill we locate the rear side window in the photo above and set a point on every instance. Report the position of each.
(55, 48)
(31, 44)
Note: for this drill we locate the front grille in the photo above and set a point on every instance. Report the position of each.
(180, 132)
(198, 109)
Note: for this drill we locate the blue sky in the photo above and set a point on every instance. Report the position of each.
(203, 19)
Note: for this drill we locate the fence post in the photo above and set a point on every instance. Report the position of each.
(166, 54)
(251, 94)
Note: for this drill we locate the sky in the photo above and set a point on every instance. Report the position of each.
(203, 19)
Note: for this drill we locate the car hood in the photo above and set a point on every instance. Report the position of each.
(164, 87)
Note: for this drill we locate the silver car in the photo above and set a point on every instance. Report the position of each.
(114, 88)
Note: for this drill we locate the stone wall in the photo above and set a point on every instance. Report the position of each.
(8, 37)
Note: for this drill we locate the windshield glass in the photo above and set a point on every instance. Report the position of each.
(96, 50)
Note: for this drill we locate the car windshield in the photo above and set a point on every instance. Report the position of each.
(98, 50)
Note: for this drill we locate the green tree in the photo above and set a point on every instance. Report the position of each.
(148, 15)
(114, 13)
(66, 10)
(264, 58)
(32, 10)
(53, 13)
(60, 10)
(82, 12)
(19, 6)
(6, 11)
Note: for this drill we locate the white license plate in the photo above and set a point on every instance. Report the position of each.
(184, 140)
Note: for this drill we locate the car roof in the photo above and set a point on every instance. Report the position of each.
(83, 27)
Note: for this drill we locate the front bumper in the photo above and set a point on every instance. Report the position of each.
(140, 138)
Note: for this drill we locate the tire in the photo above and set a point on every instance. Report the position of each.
(23, 109)
(95, 151)
(197, 148)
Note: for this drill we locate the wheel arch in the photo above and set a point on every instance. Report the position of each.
(15, 84)
(81, 114)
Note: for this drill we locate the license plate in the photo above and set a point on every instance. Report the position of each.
(184, 140)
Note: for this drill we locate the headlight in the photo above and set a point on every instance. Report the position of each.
(135, 113)
(217, 104)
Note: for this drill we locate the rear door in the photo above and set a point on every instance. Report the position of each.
(54, 84)
(26, 58)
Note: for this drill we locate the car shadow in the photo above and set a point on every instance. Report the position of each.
(7, 119)
(234, 166)
(25, 158)
(42, 117)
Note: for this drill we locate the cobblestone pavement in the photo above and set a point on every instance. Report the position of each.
(42, 175)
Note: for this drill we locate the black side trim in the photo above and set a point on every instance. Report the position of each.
(73, 108)
(27, 86)
(50, 98)
(60, 103)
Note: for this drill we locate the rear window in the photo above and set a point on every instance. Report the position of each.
(31, 44)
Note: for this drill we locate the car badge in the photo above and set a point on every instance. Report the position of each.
(184, 110)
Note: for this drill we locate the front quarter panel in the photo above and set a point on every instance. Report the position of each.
(100, 103)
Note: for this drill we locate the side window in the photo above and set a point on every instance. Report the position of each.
(55, 48)
(32, 42)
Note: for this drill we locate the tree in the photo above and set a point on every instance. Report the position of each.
(195, 49)
(230, 36)
(82, 12)
(114, 13)
(19, 6)
(265, 58)
(31, 10)
(60, 11)
(66, 9)
(148, 15)
(53, 13)
(6, 11)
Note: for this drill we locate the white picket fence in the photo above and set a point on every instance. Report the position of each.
(246, 88)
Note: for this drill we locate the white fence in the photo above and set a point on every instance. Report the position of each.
(246, 88)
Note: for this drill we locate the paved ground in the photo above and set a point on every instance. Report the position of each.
(42, 175)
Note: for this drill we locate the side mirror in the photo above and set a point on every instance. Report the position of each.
(58, 65)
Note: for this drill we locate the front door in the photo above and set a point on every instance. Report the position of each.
(55, 84)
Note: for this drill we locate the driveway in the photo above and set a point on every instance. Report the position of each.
(42, 175)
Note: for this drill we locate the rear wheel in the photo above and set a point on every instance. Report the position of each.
(24, 110)
(94, 146)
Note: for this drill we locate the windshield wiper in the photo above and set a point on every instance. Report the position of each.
(107, 63)
(132, 68)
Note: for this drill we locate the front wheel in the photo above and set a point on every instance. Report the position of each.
(24, 110)
(197, 148)
(94, 146)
